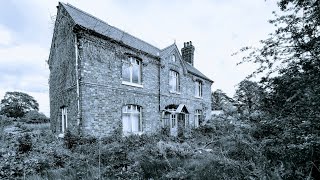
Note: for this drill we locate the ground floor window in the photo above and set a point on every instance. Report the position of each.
(64, 119)
(197, 118)
(131, 119)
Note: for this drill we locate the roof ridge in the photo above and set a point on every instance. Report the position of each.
(123, 31)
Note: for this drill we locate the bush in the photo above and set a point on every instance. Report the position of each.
(35, 117)
(114, 155)
(70, 140)
(5, 121)
(152, 163)
(24, 143)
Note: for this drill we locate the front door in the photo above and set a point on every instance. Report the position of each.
(173, 125)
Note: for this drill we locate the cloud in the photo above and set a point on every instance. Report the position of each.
(23, 68)
(5, 36)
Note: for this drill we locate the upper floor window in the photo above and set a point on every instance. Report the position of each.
(174, 81)
(197, 118)
(131, 70)
(198, 89)
(131, 119)
(173, 58)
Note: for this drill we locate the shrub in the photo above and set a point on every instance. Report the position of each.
(24, 143)
(35, 117)
(152, 163)
(5, 121)
(70, 140)
(114, 155)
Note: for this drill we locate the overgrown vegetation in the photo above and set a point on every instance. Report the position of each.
(270, 130)
(218, 150)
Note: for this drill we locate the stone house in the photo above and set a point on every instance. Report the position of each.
(104, 80)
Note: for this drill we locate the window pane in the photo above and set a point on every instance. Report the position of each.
(126, 124)
(173, 58)
(126, 71)
(136, 74)
(135, 122)
(177, 88)
(172, 83)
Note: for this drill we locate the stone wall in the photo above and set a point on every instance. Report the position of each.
(102, 93)
(62, 80)
(187, 89)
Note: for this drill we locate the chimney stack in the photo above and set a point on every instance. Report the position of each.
(188, 52)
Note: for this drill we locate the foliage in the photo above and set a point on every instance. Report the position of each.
(5, 121)
(24, 143)
(249, 96)
(35, 117)
(220, 101)
(290, 56)
(72, 140)
(17, 104)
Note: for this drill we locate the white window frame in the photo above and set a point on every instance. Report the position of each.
(132, 62)
(64, 121)
(132, 110)
(175, 76)
(173, 120)
(198, 89)
(197, 117)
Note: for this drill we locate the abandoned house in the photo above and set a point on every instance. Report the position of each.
(104, 80)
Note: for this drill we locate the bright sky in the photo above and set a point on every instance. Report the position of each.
(217, 28)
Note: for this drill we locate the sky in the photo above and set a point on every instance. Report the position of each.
(217, 28)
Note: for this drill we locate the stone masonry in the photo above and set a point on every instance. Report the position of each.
(85, 63)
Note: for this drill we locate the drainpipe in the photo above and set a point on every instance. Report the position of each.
(159, 96)
(77, 81)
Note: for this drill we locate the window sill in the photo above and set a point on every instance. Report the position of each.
(132, 84)
(133, 133)
(198, 97)
(175, 92)
(61, 135)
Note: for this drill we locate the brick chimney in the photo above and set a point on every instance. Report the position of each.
(188, 52)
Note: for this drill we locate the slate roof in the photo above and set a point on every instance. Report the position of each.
(90, 22)
(165, 52)
(195, 71)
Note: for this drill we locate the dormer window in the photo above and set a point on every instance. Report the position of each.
(173, 58)
(131, 70)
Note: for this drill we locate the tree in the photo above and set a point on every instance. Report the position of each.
(17, 104)
(221, 101)
(290, 58)
(249, 96)
(34, 116)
